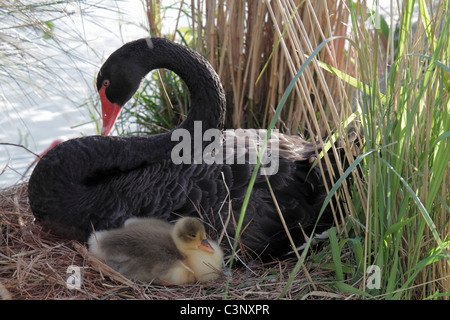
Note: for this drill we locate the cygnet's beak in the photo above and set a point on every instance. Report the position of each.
(205, 246)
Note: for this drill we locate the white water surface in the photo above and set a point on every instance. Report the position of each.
(59, 102)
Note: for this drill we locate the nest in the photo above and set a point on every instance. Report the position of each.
(38, 265)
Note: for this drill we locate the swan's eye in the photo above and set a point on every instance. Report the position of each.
(106, 83)
(193, 235)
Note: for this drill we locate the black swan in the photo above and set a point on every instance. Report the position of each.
(98, 182)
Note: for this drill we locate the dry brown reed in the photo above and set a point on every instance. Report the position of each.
(240, 37)
(244, 36)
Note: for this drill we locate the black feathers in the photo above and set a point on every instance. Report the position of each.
(99, 182)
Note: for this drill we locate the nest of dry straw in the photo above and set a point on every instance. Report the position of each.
(34, 265)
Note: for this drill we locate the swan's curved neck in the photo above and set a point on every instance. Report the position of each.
(206, 92)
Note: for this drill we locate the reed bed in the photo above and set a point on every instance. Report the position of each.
(256, 47)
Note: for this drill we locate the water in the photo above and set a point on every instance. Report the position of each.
(59, 101)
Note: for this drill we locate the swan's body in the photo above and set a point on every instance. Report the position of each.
(153, 250)
(101, 181)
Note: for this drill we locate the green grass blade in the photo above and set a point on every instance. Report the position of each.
(427, 22)
(405, 27)
(343, 287)
(325, 203)
(336, 253)
(421, 208)
(433, 256)
(349, 79)
(397, 226)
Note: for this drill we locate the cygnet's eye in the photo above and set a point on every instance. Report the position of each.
(192, 235)
(106, 83)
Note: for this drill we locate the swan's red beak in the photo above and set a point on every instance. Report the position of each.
(205, 246)
(110, 112)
